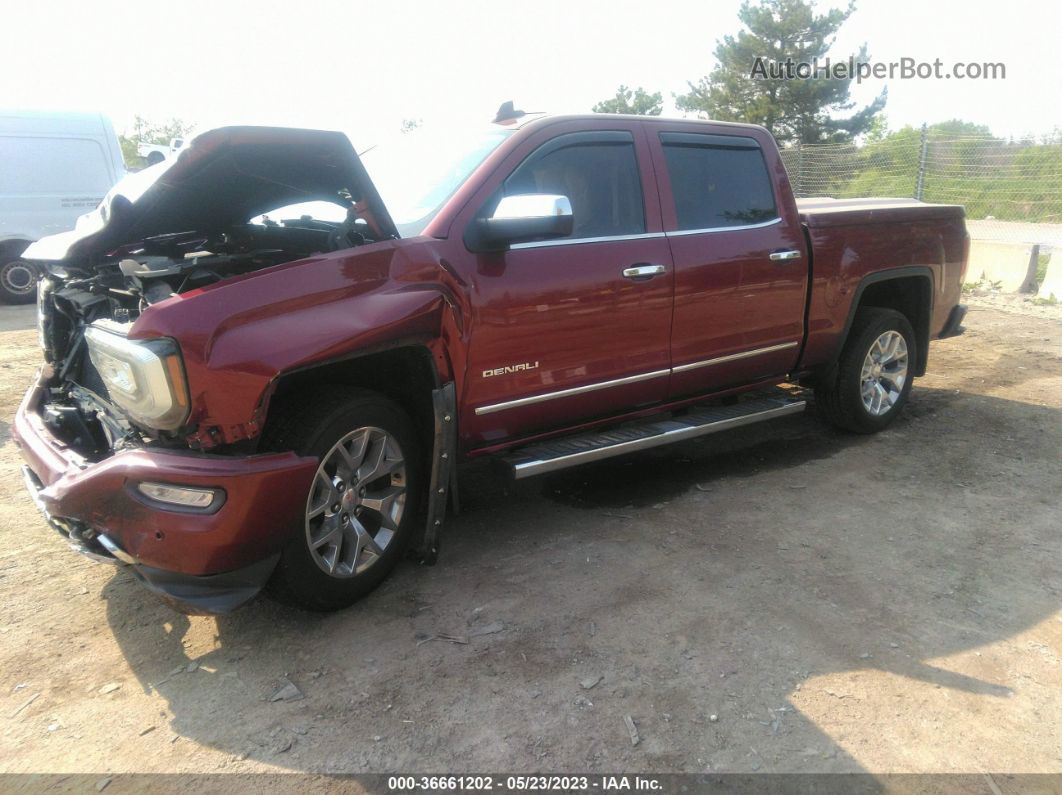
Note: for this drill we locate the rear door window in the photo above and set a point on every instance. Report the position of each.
(718, 181)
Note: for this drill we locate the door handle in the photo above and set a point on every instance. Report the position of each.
(780, 256)
(645, 271)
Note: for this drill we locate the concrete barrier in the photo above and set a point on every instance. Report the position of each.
(1051, 286)
(1012, 265)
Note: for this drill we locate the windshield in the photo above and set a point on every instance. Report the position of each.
(417, 172)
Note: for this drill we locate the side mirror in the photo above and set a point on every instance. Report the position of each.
(522, 219)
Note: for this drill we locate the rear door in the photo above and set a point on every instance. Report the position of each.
(564, 330)
(740, 260)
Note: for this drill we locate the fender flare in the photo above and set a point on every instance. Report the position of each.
(921, 328)
(399, 343)
(442, 482)
(442, 485)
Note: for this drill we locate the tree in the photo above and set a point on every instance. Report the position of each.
(146, 132)
(756, 77)
(637, 102)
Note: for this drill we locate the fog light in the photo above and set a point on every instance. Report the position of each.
(182, 496)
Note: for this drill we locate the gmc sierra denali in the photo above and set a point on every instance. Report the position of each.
(265, 356)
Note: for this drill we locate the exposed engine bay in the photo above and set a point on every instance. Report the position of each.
(105, 298)
(182, 225)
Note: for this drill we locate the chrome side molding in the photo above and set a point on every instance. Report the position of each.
(733, 357)
(580, 240)
(578, 390)
(525, 401)
(712, 229)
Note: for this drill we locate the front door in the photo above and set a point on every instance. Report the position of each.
(564, 330)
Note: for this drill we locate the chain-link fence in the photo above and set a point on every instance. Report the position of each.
(1011, 191)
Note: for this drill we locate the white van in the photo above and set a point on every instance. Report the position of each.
(53, 168)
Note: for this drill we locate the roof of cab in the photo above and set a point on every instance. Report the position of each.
(529, 119)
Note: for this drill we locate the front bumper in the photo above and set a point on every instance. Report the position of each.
(201, 561)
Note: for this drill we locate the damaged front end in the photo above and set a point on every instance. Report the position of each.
(222, 209)
(106, 391)
(107, 431)
(103, 392)
(104, 435)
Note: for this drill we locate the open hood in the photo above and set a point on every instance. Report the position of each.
(222, 178)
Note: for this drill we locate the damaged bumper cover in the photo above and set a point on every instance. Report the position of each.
(206, 560)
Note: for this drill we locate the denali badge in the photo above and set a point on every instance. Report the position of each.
(512, 368)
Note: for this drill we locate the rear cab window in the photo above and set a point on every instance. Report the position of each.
(718, 181)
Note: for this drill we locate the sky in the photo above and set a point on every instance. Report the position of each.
(363, 67)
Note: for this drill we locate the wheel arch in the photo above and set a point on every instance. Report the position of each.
(405, 372)
(409, 374)
(908, 290)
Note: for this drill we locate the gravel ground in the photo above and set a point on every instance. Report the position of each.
(778, 598)
(1013, 303)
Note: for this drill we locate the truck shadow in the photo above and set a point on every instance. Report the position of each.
(769, 576)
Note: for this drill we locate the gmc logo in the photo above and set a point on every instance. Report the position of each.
(510, 368)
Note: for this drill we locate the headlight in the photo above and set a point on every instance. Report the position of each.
(144, 377)
(44, 317)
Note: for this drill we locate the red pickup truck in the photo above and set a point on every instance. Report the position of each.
(265, 357)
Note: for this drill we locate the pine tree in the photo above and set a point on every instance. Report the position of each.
(638, 102)
(794, 110)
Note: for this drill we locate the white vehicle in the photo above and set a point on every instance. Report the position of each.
(156, 153)
(53, 168)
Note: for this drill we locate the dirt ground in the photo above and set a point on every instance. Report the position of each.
(778, 598)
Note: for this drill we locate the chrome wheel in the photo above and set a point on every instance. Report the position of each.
(884, 373)
(356, 502)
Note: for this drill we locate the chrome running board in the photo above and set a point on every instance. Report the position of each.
(569, 451)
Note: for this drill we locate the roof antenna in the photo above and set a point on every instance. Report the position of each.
(507, 113)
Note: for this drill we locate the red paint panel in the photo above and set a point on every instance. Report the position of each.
(730, 297)
(238, 335)
(566, 307)
(568, 311)
(846, 253)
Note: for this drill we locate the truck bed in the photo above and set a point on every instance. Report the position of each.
(854, 239)
(824, 211)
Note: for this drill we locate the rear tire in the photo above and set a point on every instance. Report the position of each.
(18, 282)
(361, 509)
(872, 380)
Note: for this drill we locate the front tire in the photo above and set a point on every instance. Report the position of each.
(873, 377)
(361, 509)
